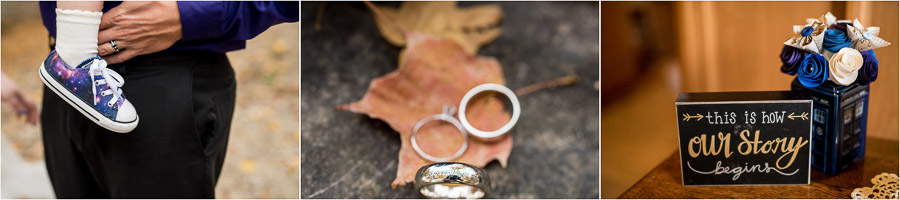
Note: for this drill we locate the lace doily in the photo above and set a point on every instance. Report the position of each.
(884, 187)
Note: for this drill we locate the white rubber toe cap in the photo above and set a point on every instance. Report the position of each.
(126, 113)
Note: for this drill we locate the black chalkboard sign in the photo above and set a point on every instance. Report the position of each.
(744, 138)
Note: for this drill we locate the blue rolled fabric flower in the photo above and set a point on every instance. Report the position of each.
(869, 70)
(791, 58)
(813, 70)
(835, 40)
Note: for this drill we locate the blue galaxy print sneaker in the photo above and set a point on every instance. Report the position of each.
(92, 89)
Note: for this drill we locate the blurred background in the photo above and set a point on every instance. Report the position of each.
(262, 160)
(651, 51)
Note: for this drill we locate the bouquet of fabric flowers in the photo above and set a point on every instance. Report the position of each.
(830, 49)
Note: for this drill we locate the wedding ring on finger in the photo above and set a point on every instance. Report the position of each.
(447, 116)
(452, 180)
(114, 46)
(483, 88)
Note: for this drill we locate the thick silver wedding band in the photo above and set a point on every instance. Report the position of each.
(452, 180)
(114, 46)
(446, 116)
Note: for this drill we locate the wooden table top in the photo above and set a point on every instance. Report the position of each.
(664, 181)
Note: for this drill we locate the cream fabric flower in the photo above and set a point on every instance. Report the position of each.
(844, 66)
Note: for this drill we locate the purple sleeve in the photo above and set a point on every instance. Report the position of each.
(233, 20)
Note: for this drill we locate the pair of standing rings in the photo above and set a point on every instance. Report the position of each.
(466, 128)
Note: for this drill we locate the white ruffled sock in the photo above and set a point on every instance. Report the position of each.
(76, 35)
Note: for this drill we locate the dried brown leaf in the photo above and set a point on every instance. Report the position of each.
(437, 71)
(471, 27)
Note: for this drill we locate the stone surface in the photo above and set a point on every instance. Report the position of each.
(556, 142)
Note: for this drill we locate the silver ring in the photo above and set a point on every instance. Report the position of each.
(452, 180)
(447, 116)
(114, 46)
(489, 87)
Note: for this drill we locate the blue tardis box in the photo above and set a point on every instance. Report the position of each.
(839, 124)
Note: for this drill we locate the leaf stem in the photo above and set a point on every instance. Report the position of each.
(565, 80)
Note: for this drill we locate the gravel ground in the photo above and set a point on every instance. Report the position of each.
(262, 160)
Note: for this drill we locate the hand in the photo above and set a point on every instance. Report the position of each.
(11, 95)
(138, 27)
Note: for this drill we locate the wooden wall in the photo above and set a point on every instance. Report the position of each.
(734, 46)
(636, 37)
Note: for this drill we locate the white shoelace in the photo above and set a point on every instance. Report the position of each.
(110, 77)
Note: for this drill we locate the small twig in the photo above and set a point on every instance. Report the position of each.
(565, 80)
(386, 19)
(318, 25)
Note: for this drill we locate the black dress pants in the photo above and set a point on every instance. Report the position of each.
(185, 101)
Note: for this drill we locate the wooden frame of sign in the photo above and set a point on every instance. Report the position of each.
(744, 138)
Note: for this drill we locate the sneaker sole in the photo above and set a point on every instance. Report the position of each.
(85, 109)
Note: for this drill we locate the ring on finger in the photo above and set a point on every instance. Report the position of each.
(114, 46)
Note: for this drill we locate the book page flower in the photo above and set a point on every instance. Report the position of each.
(828, 19)
(869, 70)
(809, 37)
(835, 40)
(819, 26)
(813, 70)
(791, 58)
(865, 38)
(844, 66)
